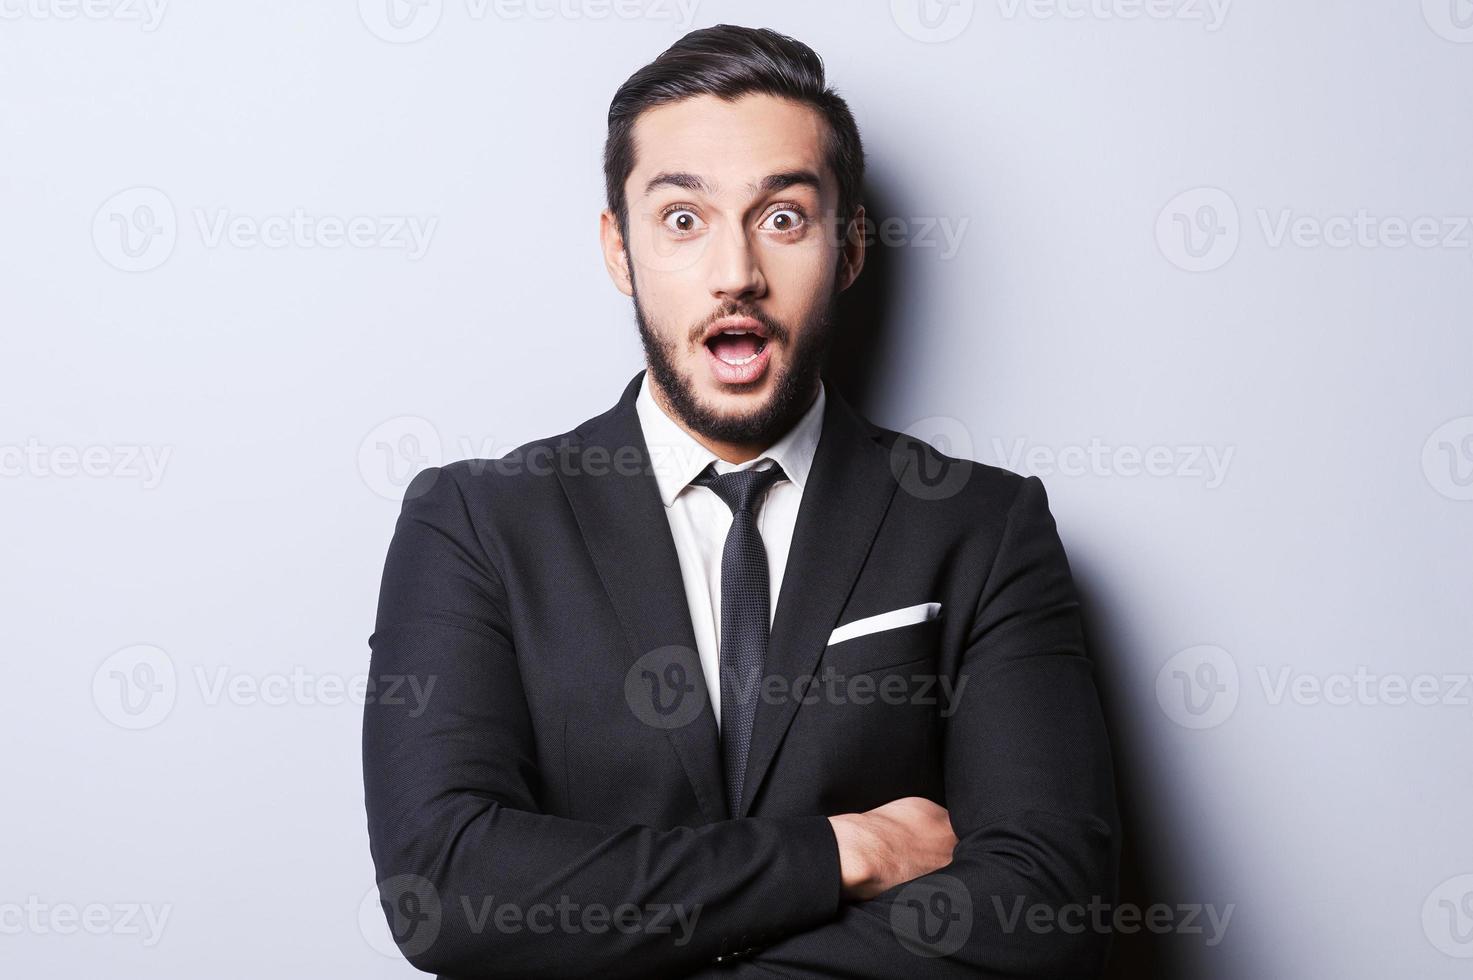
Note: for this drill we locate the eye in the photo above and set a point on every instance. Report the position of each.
(785, 220)
(682, 221)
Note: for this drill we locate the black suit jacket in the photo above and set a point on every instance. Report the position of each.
(555, 808)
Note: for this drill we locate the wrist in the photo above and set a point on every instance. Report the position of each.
(856, 871)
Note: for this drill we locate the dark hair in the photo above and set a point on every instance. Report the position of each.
(729, 62)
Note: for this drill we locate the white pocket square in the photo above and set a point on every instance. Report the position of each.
(886, 621)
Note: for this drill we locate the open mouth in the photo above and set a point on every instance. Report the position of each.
(736, 347)
(737, 351)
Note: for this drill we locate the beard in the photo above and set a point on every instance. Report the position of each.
(793, 390)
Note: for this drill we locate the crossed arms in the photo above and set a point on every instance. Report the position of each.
(454, 824)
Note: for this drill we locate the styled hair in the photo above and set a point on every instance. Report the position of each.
(729, 62)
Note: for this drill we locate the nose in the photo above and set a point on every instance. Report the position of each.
(735, 270)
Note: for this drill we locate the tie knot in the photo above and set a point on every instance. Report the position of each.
(740, 489)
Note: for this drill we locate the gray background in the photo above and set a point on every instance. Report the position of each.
(1148, 266)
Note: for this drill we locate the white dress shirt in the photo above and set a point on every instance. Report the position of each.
(699, 519)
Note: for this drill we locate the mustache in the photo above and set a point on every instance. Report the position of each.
(776, 330)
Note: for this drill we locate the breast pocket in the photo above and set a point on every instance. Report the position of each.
(874, 720)
(891, 646)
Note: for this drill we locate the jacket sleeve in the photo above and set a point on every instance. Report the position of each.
(1030, 791)
(474, 880)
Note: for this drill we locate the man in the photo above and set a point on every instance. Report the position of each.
(728, 678)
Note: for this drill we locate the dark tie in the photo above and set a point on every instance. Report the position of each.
(744, 615)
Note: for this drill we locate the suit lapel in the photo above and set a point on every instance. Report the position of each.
(623, 523)
(848, 491)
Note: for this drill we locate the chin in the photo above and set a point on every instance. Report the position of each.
(745, 397)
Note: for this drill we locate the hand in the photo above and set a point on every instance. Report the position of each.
(891, 844)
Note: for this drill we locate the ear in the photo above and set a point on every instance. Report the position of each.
(616, 256)
(852, 247)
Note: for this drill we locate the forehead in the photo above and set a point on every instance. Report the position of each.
(729, 143)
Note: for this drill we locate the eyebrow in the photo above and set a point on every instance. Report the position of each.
(770, 184)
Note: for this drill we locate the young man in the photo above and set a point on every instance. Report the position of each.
(728, 678)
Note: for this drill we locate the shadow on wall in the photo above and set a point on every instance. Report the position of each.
(860, 345)
(854, 368)
(1145, 872)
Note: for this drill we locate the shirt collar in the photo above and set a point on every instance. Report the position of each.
(677, 458)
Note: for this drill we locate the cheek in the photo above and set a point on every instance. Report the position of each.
(800, 280)
(804, 266)
(672, 306)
